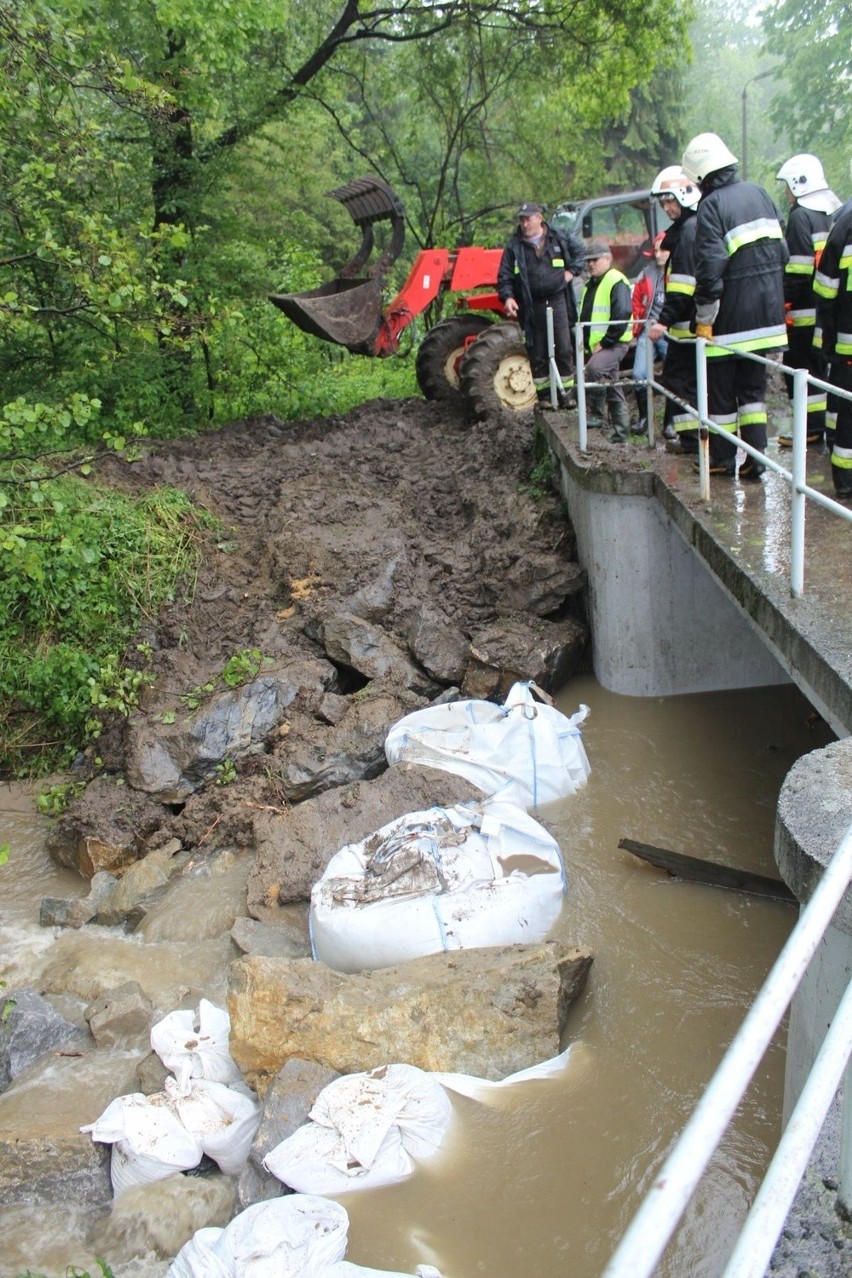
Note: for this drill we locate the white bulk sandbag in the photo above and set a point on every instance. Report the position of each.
(524, 752)
(195, 1045)
(475, 874)
(222, 1118)
(149, 1142)
(297, 1236)
(364, 1130)
(291, 1237)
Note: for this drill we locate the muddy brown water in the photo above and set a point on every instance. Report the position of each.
(543, 1180)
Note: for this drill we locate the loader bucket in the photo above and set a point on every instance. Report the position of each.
(348, 310)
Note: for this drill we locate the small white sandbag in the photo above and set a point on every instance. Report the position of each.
(524, 751)
(149, 1142)
(288, 1237)
(297, 1236)
(222, 1118)
(364, 1130)
(195, 1045)
(441, 879)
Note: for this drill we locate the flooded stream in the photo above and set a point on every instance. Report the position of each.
(542, 1182)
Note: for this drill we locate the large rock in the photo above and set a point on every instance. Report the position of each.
(486, 1012)
(540, 582)
(295, 846)
(439, 646)
(171, 761)
(523, 647)
(313, 757)
(363, 646)
(30, 1027)
(44, 1157)
(287, 1104)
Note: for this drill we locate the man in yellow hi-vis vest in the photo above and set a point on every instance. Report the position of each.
(606, 308)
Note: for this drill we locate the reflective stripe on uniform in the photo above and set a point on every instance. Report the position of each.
(684, 285)
(805, 318)
(761, 228)
(841, 457)
(799, 266)
(751, 414)
(756, 339)
(826, 285)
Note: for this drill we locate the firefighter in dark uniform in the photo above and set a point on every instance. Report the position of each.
(740, 256)
(833, 288)
(537, 268)
(679, 198)
(812, 204)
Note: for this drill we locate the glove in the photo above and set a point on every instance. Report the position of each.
(704, 330)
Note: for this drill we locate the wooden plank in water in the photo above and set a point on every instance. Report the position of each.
(700, 871)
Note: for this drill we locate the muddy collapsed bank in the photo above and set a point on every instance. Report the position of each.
(364, 566)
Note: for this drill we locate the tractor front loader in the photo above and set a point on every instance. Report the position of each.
(471, 356)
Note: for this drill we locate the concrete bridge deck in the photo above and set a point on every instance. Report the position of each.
(685, 597)
(743, 538)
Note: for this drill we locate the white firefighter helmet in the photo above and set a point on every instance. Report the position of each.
(673, 181)
(705, 154)
(806, 181)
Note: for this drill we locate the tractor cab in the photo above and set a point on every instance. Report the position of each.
(628, 223)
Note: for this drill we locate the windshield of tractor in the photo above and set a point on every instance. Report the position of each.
(627, 225)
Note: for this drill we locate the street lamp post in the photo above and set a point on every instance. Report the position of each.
(744, 158)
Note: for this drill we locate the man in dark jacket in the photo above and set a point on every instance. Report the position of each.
(833, 288)
(606, 306)
(538, 266)
(812, 204)
(679, 198)
(740, 256)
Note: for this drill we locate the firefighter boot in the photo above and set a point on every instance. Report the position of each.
(620, 416)
(595, 407)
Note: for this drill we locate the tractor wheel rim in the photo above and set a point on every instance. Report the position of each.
(513, 382)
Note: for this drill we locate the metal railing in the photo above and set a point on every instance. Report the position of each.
(651, 1229)
(796, 477)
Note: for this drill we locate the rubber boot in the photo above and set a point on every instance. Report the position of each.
(595, 408)
(620, 417)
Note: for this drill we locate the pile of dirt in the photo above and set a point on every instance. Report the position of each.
(397, 512)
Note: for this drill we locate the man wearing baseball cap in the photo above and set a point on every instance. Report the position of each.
(538, 266)
(606, 309)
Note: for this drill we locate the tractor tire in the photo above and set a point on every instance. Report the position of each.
(495, 377)
(441, 352)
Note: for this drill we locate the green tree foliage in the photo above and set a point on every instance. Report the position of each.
(732, 83)
(127, 134)
(465, 127)
(813, 42)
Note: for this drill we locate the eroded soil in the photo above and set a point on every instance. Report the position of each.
(397, 506)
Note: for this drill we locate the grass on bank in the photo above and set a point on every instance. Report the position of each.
(84, 565)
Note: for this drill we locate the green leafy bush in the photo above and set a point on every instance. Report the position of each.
(83, 565)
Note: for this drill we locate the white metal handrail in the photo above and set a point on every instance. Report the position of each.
(800, 490)
(651, 1229)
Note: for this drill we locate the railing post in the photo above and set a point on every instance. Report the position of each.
(649, 389)
(703, 434)
(555, 380)
(799, 472)
(582, 428)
